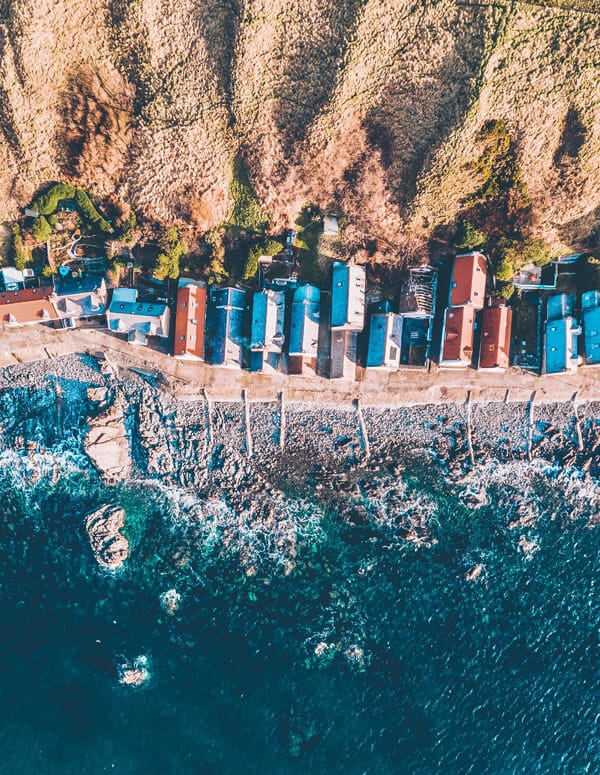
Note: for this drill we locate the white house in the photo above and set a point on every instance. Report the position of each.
(137, 319)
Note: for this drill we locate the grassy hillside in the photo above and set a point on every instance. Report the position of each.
(374, 106)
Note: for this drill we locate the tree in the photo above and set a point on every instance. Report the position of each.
(468, 237)
(272, 247)
(251, 266)
(89, 210)
(126, 232)
(217, 273)
(172, 248)
(47, 203)
(505, 291)
(536, 251)
(19, 254)
(505, 269)
(41, 229)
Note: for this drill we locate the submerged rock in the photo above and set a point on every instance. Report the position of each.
(109, 545)
(474, 573)
(133, 673)
(170, 601)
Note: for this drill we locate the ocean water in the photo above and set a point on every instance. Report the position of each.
(353, 645)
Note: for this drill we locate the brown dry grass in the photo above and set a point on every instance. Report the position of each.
(374, 105)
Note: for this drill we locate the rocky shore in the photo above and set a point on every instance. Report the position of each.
(252, 455)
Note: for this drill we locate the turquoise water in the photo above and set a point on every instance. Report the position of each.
(344, 648)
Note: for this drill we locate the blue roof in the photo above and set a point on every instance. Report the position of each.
(230, 297)
(259, 319)
(556, 354)
(377, 332)
(87, 284)
(127, 295)
(228, 304)
(121, 306)
(590, 303)
(306, 304)
(340, 286)
(559, 306)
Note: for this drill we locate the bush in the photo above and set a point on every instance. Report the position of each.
(468, 237)
(126, 232)
(19, 254)
(505, 269)
(506, 291)
(251, 266)
(41, 229)
(90, 212)
(47, 203)
(246, 210)
(172, 248)
(272, 247)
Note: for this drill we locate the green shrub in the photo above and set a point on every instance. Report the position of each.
(90, 212)
(47, 203)
(246, 210)
(251, 266)
(468, 237)
(505, 269)
(506, 291)
(41, 229)
(19, 254)
(272, 247)
(172, 248)
(126, 232)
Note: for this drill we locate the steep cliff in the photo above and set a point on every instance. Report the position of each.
(374, 105)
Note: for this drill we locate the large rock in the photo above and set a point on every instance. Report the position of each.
(107, 444)
(108, 543)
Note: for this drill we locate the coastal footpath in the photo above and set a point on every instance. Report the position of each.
(404, 387)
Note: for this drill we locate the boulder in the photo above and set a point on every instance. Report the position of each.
(134, 673)
(107, 444)
(109, 545)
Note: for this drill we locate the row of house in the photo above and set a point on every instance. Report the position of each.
(230, 327)
(211, 325)
(470, 311)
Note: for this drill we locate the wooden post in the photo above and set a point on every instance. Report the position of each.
(531, 420)
(209, 418)
(247, 422)
(470, 429)
(580, 446)
(281, 420)
(362, 428)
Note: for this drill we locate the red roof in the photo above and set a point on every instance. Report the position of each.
(459, 329)
(467, 284)
(189, 321)
(28, 294)
(28, 312)
(495, 337)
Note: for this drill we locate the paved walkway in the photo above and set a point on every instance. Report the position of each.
(403, 387)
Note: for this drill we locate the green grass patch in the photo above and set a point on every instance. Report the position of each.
(246, 210)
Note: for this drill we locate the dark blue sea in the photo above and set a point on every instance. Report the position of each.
(365, 649)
